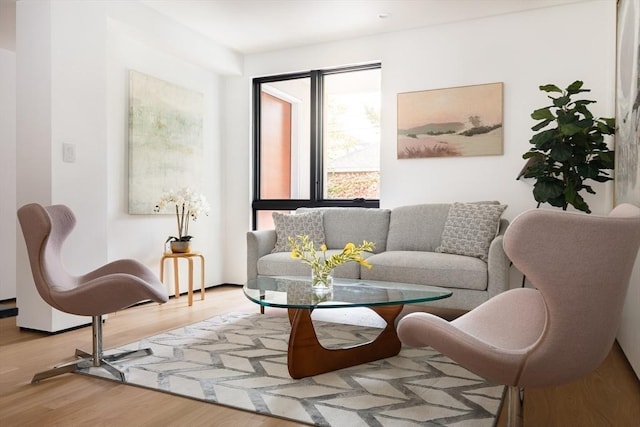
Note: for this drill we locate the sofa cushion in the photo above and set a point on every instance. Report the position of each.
(428, 268)
(344, 225)
(470, 228)
(287, 225)
(416, 227)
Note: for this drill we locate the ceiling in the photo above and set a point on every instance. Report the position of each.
(254, 26)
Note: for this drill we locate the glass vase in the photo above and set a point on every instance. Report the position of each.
(322, 280)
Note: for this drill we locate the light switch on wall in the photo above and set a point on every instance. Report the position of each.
(68, 153)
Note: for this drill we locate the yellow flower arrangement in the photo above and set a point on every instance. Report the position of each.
(302, 248)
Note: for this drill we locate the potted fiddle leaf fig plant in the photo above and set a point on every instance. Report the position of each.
(568, 149)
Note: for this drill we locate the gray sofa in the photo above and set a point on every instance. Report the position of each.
(410, 248)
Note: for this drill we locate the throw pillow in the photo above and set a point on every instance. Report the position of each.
(309, 223)
(470, 228)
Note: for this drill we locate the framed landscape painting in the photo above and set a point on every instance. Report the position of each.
(459, 121)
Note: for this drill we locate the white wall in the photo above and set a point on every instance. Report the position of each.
(7, 174)
(520, 50)
(72, 88)
(514, 49)
(33, 148)
(150, 231)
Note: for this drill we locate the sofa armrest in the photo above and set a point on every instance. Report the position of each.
(259, 244)
(498, 265)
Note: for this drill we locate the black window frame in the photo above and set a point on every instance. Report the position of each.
(316, 189)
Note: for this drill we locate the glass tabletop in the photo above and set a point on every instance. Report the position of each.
(296, 292)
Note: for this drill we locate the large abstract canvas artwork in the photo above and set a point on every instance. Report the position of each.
(459, 121)
(627, 142)
(165, 140)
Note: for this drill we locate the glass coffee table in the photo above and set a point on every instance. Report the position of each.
(306, 356)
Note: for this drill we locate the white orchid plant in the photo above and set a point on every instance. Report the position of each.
(188, 206)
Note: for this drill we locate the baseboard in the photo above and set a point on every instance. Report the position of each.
(8, 311)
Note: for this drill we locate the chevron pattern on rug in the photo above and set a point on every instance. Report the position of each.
(240, 360)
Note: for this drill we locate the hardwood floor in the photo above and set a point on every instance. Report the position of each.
(608, 397)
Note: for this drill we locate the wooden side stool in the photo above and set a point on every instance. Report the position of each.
(189, 257)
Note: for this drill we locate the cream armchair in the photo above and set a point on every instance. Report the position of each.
(107, 289)
(580, 266)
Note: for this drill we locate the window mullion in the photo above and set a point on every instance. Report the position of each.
(257, 144)
(316, 137)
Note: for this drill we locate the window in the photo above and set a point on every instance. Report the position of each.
(316, 140)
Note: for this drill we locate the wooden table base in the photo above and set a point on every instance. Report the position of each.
(307, 357)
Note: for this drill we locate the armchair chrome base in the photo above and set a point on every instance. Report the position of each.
(514, 410)
(97, 359)
(86, 361)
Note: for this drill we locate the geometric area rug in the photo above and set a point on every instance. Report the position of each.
(240, 360)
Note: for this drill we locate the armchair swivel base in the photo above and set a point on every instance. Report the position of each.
(95, 359)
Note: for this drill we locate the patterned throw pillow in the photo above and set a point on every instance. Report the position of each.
(309, 223)
(470, 228)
